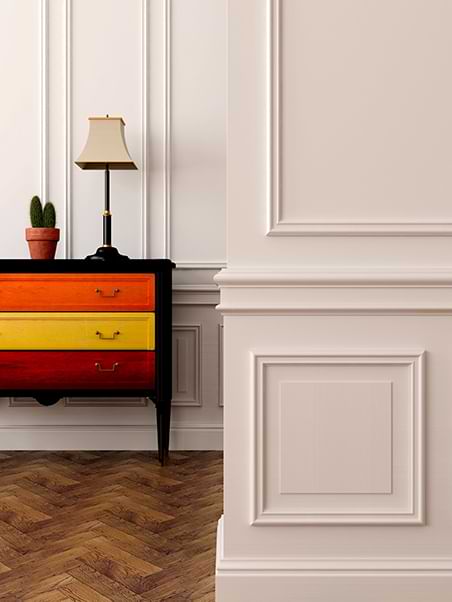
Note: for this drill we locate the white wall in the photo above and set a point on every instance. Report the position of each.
(337, 303)
(161, 64)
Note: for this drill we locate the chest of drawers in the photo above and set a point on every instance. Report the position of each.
(87, 328)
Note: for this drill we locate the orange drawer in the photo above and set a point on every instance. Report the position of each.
(77, 292)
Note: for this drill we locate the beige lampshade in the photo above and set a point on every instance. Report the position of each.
(106, 145)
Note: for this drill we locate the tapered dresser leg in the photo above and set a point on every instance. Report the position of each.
(159, 411)
(166, 427)
(163, 428)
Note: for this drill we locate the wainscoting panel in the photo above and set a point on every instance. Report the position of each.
(187, 360)
(337, 291)
(24, 150)
(64, 65)
(308, 104)
(338, 438)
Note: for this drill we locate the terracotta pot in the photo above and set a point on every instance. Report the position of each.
(42, 242)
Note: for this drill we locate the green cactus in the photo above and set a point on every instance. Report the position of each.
(36, 213)
(49, 215)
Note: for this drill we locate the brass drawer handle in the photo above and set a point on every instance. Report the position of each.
(104, 337)
(101, 293)
(112, 369)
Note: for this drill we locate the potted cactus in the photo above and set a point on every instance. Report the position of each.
(42, 237)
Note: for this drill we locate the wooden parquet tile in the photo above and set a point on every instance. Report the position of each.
(108, 526)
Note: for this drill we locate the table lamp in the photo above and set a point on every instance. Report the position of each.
(106, 149)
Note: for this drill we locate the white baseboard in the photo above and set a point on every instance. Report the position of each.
(332, 588)
(127, 437)
(282, 579)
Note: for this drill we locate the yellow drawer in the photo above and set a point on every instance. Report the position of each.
(77, 330)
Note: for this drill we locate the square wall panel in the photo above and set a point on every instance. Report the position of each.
(343, 432)
(348, 442)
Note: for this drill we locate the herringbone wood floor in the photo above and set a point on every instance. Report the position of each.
(99, 526)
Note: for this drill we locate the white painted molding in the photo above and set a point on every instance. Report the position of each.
(200, 265)
(195, 294)
(355, 310)
(307, 292)
(220, 365)
(67, 217)
(273, 116)
(145, 135)
(276, 225)
(167, 122)
(131, 437)
(196, 400)
(414, 513)
(167, 150)
(372, 277)
(325, 566)
(44, 83)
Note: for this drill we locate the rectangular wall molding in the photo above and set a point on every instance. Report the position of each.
(44, 159)
(145, 132)
(67, 208)
(372, 395)
(168, 134)
(145, 200)
(187, 363)
(145, 135)
(275, 198)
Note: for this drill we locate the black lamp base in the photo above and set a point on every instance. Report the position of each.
(107, 253)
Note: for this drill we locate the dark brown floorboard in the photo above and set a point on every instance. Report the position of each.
(100, 526)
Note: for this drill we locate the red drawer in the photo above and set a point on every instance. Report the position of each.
(77, 370)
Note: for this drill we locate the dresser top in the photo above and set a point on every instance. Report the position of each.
(84, 266)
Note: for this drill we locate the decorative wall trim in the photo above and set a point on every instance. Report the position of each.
(196, 400)
(276, 225)
(167, 123)
(273, 116)
(353, 566)
(192, 436)
(67, 217)
(23, 402)
(44, 84)
(372, 277)
(220, 364)
(377, 566)
(195, 294)
(145, 135)
(82, 402)
(412, 514)
(145, 140)
(200, 265)
(356, 310)
(167, 150)
(106, 402)
(373, 292)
